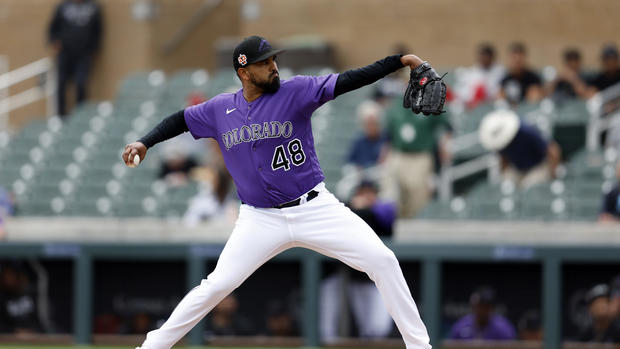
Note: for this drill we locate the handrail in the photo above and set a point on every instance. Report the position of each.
(451, 173)
(44, 88)
(4, 92)
(30, 70)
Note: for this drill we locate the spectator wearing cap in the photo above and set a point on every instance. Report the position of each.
(527, 158)
(520, 84)
(410, 162)
(570, 81)
(369, 148)
(481, 82)
(483, 323)
(602, 328)
(610, 74)
(610, 210)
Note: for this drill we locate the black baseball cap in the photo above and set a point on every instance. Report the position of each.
(251, 50)
(483, 295)
(597, 292)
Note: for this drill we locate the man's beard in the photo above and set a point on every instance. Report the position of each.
(267, 86)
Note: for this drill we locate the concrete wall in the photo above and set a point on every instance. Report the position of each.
(445, 32)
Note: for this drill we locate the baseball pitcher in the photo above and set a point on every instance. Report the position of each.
(264, 133)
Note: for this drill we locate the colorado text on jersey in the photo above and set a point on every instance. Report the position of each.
(254, 132)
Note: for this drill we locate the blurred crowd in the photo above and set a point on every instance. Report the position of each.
(404, 154)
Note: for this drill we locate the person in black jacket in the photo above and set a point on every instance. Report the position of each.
(74, 34)
(602, 328)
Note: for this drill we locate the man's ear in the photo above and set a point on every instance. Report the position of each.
(243, 74)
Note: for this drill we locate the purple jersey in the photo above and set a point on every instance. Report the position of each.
(267, 144)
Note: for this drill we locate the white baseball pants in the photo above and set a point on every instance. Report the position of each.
(324, 225)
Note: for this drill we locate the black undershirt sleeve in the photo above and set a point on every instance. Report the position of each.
(169, 127)
(356, 78)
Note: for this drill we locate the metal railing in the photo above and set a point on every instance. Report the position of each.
(44, 88)
(601, 119)
(4, 92)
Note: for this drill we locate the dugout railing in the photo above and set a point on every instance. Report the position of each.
(549, 245)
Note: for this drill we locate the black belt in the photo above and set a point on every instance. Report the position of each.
(311, 195)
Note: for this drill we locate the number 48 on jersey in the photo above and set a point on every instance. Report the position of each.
(295, 154)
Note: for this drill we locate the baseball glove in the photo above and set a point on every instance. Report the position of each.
(426, 92)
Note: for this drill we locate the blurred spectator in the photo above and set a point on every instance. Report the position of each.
(6, 209)
(18, 311)
(74, 34)
(369, 148)
(279, 321)
(224, 320)
(140, 323)
(214, 198)
(602, 328)
(380, 215)
(483, 323)
(409, 163)
(527, 158)
(530, 328)
(369, 312)
(2, 229)
(520, 83)
(570, 80)
(107, 323)
(481, 82)
(614, 298)
(176, 166)
(610, 211)
(610, 74)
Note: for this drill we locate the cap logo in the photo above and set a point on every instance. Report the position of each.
(263, 45)
(423, 81)
(243, 60)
